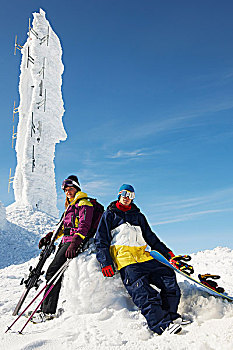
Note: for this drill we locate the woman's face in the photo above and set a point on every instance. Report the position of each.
(70, 192)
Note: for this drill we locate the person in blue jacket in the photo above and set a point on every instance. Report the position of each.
(121, 240)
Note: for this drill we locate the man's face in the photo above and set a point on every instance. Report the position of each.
(70, 192)
(125, 200)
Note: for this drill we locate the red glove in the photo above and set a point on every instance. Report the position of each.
(108, 271)
(45, 240)
(170, 255)
(72, 250)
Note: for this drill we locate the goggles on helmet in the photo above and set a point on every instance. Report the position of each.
(69, 183)
(125, 193)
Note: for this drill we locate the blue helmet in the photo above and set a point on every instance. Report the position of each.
(126, 187)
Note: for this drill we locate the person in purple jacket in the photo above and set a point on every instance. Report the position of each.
(76, 225)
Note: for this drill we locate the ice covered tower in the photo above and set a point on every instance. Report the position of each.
(40, 124)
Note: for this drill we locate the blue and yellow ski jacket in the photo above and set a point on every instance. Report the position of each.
(122, 238)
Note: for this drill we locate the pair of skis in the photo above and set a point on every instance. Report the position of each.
(33, 279)
(49, 286)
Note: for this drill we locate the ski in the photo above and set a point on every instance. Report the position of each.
(33, 278)
(52, 281)
(51, 284)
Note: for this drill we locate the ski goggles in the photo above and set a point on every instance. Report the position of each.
(125, 193)
(69, 183)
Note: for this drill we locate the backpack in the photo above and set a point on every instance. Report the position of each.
(97, 213)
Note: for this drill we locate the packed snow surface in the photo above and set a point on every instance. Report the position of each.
(19, 236)
(98, 313)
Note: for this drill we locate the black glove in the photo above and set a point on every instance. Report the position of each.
(73, 247)
(45, 240)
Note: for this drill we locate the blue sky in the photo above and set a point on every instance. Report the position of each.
(148, 93)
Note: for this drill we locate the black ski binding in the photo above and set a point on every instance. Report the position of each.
(179, 261)
(207, 280)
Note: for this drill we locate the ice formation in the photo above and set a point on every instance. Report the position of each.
(40, 124)
(2, 215)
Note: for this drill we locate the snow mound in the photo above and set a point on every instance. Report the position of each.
(99, 314)
(35, 221)
(20, 233)
(89, 291)
(114, 322)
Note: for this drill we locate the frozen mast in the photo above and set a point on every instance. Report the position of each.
(40, 111)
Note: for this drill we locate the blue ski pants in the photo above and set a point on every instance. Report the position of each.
(158, 305)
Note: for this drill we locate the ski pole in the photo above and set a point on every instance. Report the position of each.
(8, 328)
(62, 270)
(35, 273)
(38, 294)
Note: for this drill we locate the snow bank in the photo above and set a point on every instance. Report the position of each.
(32, 220)
(98, 313)
(89, 295)
(89, 291)
(21, 229)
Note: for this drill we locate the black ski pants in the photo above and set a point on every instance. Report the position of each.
(158, 305)
(50, 303)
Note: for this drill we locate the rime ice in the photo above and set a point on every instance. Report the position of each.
(2, 215)
(40, 124)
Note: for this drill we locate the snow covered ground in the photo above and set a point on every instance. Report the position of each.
(98, 313)
(20, 229)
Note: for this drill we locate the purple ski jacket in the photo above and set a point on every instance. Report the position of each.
(77, 218)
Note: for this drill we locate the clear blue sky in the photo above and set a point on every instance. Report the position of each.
(148, 92)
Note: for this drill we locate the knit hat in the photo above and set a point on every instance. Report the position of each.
(71, 180)
(126, 187)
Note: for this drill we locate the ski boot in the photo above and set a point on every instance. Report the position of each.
(179, 261)
(40, 317)
(207, 280)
